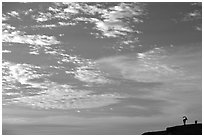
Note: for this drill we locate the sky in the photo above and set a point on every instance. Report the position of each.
(100, 68)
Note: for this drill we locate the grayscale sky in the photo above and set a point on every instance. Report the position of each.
(100, 68)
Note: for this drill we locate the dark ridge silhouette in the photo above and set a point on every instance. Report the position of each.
(190, 129)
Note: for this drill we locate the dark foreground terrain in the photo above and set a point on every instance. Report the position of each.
(190, 129)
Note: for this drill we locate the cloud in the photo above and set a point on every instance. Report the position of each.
(17, 77)
(6, 51)
(20, 37)
(19, 14)
(198, 28)
(172, 73)
(14, 14)
(45, 26)
(195, 15)
(5, 17)
(71, 9)
(22, 73)
(145, 67)
(113, 24)
(62, 97)
(42, 17)
(53, 9)
(51, 26)
(90, 75)
(66, 23)
(111, 20)
(11, 34)
(7, 27)
(50, 95)
(27, 11)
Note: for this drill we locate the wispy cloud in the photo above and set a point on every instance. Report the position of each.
(10, 34)
(50, 26)
(90, 75)
(51, 95)
(172, 74)
(63, 97)
(14, 14)
(110, 21)
(146, 67)
(113, 24)
(18, 37)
